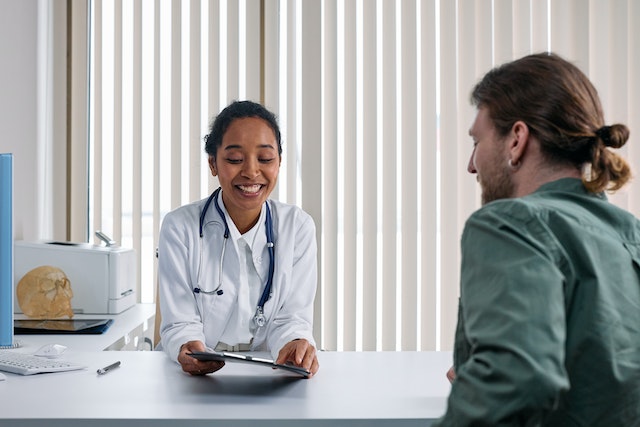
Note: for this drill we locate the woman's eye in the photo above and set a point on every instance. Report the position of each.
(234, 161)
(265, 160)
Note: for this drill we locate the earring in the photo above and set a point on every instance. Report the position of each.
(515, 165)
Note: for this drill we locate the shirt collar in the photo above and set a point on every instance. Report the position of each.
(250, 236)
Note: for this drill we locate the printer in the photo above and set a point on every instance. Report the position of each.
(102, 278)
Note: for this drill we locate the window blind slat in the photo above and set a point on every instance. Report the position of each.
(329, 256)
(156, 146)
(539, 26)
(409, 186)
(116, 213)
(214, 64)
(370, 190)
(97, 118)
(616, 99)
(136, 212)
(503, 35)
(449, 164)
(291, 91)
(311, 163)
(196, 130)
(252, 49)
(348, 145)
(522, 43)
(176, 104)
(389, 177)
(428, 176)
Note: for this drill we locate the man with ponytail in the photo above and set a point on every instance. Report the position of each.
(549, 317)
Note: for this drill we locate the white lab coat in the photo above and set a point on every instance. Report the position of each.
(187, 316)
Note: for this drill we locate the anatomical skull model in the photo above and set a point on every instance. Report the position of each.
(45, 293)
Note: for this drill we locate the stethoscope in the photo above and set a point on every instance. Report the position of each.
(259, 318)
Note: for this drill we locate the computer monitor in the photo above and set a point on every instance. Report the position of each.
(6, 250)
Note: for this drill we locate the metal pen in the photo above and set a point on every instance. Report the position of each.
(108, 368)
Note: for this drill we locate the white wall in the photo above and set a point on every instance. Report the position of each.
(28, 123)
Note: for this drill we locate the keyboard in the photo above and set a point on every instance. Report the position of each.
(28, 364)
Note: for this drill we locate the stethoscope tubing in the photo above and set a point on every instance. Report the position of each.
(266, 293)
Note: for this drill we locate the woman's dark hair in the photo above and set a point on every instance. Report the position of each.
(562, 110)
(239, 110)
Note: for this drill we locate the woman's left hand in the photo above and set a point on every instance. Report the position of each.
(299, 353)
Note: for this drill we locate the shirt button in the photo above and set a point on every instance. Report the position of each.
(258, 260)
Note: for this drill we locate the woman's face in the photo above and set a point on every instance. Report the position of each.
(247, 165)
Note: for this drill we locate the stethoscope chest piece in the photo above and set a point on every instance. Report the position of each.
(259, 318)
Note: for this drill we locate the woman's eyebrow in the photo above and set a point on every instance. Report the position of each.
(238, 147)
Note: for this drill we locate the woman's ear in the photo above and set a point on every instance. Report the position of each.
(212, 166)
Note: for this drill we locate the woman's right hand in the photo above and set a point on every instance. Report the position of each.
(194, 366)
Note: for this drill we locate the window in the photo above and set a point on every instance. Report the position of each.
(372, 97)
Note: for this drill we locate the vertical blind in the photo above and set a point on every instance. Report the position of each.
(372, 99)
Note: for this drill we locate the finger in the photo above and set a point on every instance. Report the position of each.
(304, 353)
(315, 365)
(451, 375)
(204, 368)
(285, 354)
(309, 357)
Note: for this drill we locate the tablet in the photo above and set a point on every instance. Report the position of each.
(61, 326)
(223, 356)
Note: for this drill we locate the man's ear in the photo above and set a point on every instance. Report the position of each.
(212, 166)
(518, 141)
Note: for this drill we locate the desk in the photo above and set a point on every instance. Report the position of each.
(350, 389)
(128, 332)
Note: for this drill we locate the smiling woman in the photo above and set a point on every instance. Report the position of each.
(241, 302)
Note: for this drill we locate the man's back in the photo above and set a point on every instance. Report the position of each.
(550, 312)
(601, 266)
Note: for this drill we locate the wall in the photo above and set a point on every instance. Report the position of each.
(31, 125)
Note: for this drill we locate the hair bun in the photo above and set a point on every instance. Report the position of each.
(614, 136)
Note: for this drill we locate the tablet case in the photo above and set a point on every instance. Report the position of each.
(61, 326)
(223, 356)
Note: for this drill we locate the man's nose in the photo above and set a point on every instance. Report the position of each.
(471, 167)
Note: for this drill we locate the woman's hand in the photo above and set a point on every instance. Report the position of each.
(194, 366)
(299, 353)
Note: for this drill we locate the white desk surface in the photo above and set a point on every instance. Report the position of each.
(121, 326)
(351, 388)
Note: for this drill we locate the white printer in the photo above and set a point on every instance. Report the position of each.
(102, 278)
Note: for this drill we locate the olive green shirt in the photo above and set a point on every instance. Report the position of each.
(549, 318)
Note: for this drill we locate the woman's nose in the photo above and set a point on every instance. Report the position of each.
(250, 168)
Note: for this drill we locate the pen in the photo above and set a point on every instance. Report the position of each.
(108, 368)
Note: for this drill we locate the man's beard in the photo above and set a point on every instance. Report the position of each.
(497, 185)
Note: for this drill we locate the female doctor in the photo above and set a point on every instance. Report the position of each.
(237, 271)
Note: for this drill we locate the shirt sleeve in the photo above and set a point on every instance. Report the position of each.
(181, 321)
(513, 322)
